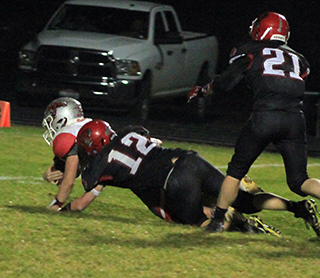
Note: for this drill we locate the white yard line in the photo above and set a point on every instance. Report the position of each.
(3, 178)
(269, 165)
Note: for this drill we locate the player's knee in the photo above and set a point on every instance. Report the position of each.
(295, 185)
(237, 170)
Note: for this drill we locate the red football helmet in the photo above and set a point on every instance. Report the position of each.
(93, 136)
(270, 26)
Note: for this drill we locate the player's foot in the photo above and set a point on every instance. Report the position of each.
(310, 215)
(254, 224)
(215, 226)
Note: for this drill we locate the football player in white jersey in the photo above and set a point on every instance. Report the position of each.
(63, 118)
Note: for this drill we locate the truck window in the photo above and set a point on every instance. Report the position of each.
(159, 26)
(165, 35)
(102, 20)
(171, 21)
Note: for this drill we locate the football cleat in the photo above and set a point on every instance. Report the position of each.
(247, 184)
(215, 226)
(254, 224)
(310, 215)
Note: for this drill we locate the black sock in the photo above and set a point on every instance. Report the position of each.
(298, 208)
(219, 213)
(292, 206)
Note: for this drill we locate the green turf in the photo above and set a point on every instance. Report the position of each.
(118, 237)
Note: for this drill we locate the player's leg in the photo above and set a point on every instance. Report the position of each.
(294, 153)
(311, 187)
(252, 140)
(153, 198)
(183, 192)
(250, 144)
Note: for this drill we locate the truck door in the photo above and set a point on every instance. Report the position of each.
(170, 44)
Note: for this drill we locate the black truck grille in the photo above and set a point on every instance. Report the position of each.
(75, 62)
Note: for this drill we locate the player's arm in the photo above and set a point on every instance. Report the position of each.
(84, 201)
(224, 82)
(67, 183)
(233, 74)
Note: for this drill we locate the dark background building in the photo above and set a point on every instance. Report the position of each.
(229, 20)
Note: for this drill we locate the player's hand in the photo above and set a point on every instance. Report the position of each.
(53, 176)
(195, 91)
(207, 90)
(54, 208)
(199, 91)
(156, 141)
(55, 205)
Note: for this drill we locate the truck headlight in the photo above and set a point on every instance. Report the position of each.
(128, 67)
(26, 59)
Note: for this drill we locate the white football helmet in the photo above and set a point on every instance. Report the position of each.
(59, 113)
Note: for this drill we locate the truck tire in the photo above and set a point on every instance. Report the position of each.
(143, 102)
(203, 79)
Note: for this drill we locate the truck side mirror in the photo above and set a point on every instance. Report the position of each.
(168, 38)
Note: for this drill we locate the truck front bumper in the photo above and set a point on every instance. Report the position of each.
(119, 94)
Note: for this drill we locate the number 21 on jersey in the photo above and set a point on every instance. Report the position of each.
(278, 58)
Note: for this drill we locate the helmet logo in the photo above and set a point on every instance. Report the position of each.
(85, 137)
(54, 106)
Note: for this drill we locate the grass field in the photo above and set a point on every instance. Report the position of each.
(118, 237)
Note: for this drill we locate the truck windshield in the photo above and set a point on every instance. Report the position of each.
(102, 20)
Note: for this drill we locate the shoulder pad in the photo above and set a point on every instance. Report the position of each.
(243, 49)
(62, 144)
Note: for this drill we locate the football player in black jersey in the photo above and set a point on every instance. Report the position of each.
(275, 73)
(171, 182)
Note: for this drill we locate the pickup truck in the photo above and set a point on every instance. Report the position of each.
(114, 54)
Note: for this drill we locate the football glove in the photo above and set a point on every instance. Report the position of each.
(156, 141)
(199, 91)
(195, 92)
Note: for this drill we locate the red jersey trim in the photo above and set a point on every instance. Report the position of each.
(106, 178)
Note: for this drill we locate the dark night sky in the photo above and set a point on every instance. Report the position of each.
(229, 20)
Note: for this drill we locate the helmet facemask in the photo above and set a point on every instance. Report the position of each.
(48, 135)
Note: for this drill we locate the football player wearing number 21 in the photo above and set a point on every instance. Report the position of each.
(276, 75)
